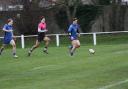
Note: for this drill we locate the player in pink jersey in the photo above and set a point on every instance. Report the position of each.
(41, 37)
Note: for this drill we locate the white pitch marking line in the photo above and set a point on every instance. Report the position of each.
(114, 84)
(40, 67)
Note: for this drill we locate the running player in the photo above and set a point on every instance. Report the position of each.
(41, 37)
(8, 37)
(74, 34)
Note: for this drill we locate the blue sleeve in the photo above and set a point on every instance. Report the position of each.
(5, 27)
(78, 26)
(70, 28)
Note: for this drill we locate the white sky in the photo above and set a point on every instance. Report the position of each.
(125, 0)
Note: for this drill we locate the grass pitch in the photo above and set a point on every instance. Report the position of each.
(106, 69)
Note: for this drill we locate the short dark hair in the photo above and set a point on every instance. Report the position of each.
(9, 20)
(74, 19)
(41, 17)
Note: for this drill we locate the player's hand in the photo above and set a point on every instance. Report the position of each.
(14, 38)
(78, 34)
(45, 30)
(69, 34)
(10, 30)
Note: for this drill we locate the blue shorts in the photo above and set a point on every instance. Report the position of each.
(6, 41)
(73, 38)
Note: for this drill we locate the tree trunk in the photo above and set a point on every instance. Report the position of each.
(112, 18)
(72, 14)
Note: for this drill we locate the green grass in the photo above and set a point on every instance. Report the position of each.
(58, 70)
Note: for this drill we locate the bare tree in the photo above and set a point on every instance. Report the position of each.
(73, 3)
(67, 4)
(112, 17)
(94, 2)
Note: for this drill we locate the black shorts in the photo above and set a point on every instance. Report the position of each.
(40, 36)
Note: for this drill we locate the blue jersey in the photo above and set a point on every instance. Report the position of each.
(8, 36)
(73, 30)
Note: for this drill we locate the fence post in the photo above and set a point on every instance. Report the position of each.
(57, 40)
(94, 38)
(22, 42)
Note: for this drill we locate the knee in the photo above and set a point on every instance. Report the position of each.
(36, 46)
(14, 45)
(77, 46)
(47, 39)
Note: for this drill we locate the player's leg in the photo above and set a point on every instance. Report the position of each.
(70, 48)
(34, 47)
(5, 42)
(74, 43)
(77, 43)
(46, 40)
(12, 42)
(39, 39)
(2, 48)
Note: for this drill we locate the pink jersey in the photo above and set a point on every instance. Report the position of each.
(42, 27)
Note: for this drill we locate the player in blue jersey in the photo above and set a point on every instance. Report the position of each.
(8, 37)
(74, 33)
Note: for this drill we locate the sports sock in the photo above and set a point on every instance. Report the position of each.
(14, 51)
(1, 50)
(45, 48)
(32, 49)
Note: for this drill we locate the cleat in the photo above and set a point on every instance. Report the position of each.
(45, 51)
(70, 48)
(29, 53)
(15, 56)
(1, 50)
(71, 53)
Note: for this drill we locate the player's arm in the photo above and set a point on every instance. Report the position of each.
(7, 30)
(40, 30)
(69, 30)
(14, 37)
(12, 34)
(78, 31)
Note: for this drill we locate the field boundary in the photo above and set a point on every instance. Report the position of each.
(114, 84)
(94, 37)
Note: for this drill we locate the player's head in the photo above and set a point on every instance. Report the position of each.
(10, 21)
(42, 18)
(75, 20)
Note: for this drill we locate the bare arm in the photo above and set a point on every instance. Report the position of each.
(7, 30)
(12, 34)
(78, 32)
